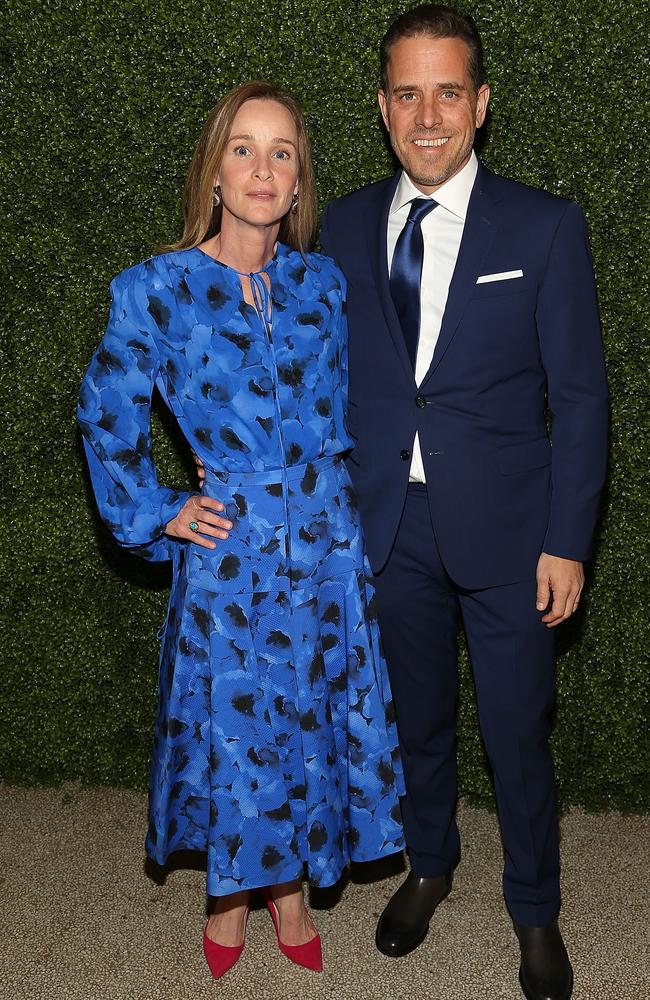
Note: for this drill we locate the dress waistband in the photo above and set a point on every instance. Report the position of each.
(269, 476)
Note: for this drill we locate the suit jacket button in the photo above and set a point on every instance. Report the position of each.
(420, 401)
(404, 455)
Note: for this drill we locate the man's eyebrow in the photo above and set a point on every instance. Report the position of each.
(406, 87)
(251, 138)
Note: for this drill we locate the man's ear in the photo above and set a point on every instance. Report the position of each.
(383, 106)
(482, 98)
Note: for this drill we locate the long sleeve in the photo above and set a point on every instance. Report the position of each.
(572, 355)
(114, 415)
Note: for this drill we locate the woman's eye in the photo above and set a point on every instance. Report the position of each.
(283, 154)
(241, 151)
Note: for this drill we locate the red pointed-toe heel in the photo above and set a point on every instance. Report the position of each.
(221, 957)
(309, 955)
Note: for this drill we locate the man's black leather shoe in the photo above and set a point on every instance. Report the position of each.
(545, 972)
(404, 923)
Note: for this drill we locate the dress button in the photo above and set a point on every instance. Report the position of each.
(420, 401)
(404, 455)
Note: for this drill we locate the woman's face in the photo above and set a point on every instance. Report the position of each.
(259, 170)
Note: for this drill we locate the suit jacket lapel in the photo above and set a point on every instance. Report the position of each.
(376, 218)
(478, 235)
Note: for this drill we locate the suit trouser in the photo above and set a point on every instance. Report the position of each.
(513, 665)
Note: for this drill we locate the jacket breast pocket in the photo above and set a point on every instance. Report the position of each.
(507, 286)
(524, 457)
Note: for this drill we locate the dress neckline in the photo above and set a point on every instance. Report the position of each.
(279, 247)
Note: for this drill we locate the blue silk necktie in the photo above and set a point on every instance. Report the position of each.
(406, 273)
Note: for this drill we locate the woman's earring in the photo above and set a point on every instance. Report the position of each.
(294, 204)
(216, 195)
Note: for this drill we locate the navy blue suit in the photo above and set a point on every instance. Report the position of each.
(497, 495)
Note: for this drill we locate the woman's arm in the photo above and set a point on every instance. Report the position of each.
(114, 416)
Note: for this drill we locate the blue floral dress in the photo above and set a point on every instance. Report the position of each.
(275, 738)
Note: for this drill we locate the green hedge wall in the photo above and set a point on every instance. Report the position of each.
(105, 102)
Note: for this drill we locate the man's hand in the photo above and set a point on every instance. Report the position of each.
(200, 468)
(564, 579)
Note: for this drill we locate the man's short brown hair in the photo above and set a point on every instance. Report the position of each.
(436, 21)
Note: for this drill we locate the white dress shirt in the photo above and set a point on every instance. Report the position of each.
(442, 231)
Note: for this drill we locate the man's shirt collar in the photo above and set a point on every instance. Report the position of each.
(453, 195)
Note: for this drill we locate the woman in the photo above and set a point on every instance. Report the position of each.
(275, 742)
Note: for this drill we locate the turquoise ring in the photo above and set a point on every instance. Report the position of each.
(194, 526)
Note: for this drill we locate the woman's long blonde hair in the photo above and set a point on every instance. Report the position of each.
(202, 218)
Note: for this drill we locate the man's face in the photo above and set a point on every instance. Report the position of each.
(431, 109)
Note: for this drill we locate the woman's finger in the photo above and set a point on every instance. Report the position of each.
(205, 517)
(209, 502)
(200, 468)
(193, 536)
(206, 529)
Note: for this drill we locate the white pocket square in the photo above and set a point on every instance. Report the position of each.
(501, 276)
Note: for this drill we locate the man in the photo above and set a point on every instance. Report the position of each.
(471, 306)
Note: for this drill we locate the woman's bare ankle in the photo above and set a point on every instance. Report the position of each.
(227, 923)
(295, 922)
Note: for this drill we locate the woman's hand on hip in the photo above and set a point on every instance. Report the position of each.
(197, 517)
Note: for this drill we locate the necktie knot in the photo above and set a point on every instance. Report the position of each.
(420, 208)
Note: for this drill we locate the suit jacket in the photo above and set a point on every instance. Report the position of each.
(499, 493)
